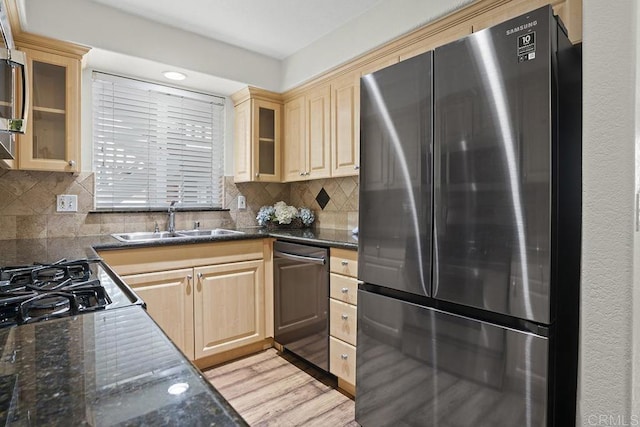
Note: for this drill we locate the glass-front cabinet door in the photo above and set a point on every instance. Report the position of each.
(52, 139)
(257, 135)
(267, 144)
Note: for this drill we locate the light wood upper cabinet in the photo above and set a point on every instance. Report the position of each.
(169, 299)
(438, 39)
(295, 153)
(242, 147)
(378, 64)
(307, 142)
(52, 139)
(229, 307)
(345, 125)
(318, 103)
(258, 118)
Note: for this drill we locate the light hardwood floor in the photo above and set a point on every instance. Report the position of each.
(277, 389)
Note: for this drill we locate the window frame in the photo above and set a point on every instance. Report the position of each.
(168, 148)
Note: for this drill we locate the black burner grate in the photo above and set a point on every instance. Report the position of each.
(43, 291)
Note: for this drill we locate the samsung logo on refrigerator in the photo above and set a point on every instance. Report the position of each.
(521, 27)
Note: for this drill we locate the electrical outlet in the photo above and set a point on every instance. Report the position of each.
(242, 202)
(67, 203)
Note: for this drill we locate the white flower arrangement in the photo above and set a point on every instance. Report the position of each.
(283, 214)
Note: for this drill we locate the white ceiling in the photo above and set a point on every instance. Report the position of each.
(223, 45)
(276, 28)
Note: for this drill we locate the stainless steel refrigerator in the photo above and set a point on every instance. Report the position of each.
(469, 245)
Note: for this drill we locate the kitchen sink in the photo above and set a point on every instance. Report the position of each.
(208, 233)
(144, 236)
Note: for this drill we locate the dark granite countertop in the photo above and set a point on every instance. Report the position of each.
(27, 251)
(111, 367)
(109, 242)
(319, 236)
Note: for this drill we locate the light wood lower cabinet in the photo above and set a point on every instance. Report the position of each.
(215, 304)
(228, 307)
(342, 360)
(343, 312)
(169, 299)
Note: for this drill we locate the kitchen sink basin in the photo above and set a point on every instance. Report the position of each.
(208, 233)
(144, 236)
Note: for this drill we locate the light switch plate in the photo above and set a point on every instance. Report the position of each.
(67, 203)
(242, 202)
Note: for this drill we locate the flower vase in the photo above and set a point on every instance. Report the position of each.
(295, 224)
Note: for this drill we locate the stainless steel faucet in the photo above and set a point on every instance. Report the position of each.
(171, 227)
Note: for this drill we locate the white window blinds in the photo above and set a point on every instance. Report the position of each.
(154, 144)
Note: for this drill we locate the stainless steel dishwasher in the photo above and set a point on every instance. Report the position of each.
(301, 287)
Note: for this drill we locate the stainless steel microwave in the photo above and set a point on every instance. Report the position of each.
(13, 81)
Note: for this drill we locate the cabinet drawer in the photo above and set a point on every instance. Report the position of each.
(342, 360)
(343, 321)
(344, 262)
(344, 288)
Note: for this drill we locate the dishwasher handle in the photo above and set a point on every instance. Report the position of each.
(301, 258)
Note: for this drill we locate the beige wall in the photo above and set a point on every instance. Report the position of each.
(609, 383)
(28, 206)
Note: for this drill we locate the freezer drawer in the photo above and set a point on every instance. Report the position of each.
(420, 366)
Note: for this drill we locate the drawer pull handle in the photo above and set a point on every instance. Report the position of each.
(345, 290)
(344, 262)
(344, 356)
(345, 317)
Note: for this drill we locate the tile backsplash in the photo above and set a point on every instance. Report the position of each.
(28, 209)
(28, 206)
(340, 212)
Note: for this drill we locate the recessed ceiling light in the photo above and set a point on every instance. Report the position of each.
(174, 75)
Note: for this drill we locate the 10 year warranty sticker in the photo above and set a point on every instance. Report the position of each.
(527, 47)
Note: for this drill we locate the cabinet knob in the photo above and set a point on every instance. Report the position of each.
(301, 173)
(344, 262)
(344, 356)
(307, 173)
(200, 275)
(345, 317)
(72, 163)
(356, 167)
(257, 174)
(189, 277)
(345, 290)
